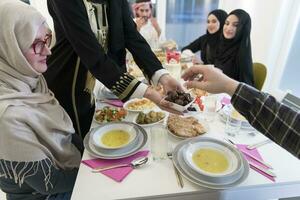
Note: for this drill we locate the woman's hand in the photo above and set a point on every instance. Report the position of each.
(213, 80)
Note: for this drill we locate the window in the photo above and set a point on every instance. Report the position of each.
(291, 73)
(186, 20)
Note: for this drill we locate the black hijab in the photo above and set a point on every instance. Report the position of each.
(234, 56)
(208, 54)
(208, 43)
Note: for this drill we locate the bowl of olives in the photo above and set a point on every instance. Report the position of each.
(181, 100)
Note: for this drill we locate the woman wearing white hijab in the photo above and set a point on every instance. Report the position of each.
(37, 158)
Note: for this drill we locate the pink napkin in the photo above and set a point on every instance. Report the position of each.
(114, 102)
(118, 174)
(225, 101)
(256, 154)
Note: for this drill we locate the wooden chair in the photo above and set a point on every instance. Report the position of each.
(259, 73)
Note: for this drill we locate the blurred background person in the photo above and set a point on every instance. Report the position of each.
(208, 43)
(146, 24)
(234, 55)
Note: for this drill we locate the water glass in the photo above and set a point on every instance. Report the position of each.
(210, 103)
(233, 125)
(159, 142)
(174, 69)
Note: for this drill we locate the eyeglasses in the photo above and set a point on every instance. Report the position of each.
(39, 46)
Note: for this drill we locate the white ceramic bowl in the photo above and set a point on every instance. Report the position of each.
(229, 155)
(150, 124)
(180, 108)
(100, 132)
(142, 107)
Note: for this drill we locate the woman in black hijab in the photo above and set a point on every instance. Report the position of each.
(234, 56)
(209, 42)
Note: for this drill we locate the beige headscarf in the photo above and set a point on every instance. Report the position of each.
(33, 126)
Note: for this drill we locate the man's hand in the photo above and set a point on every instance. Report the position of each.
(141, 21)
(157, 98)
(213, 80)
(169, 83)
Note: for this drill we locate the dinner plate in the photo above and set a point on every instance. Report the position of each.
(197, 178)
(136, 145)
(142, 107)
(202, 122)
(224, 113)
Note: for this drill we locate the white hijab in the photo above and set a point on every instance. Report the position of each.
(33, 125)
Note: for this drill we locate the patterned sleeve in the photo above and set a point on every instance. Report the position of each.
(275, 120)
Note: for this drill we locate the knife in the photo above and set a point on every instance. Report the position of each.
(266, 171)
(251, 156)
(257, 159)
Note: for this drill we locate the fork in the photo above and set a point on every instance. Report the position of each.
(178, 176)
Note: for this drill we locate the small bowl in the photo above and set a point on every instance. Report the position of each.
(180, 108)
(150, 124)
(142, 105)
(102, 131)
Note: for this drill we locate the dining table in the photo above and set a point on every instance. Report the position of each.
(157, 180)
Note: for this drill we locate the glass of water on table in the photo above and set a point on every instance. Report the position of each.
(158, 142)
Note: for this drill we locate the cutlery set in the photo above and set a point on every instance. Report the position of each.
(266, 170)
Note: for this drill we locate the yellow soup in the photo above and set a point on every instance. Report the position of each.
(115, 138)
(210, 160)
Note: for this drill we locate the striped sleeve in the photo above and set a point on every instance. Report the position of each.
(275, 120)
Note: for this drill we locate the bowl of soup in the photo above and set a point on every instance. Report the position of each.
(114, 135)
(211, 159)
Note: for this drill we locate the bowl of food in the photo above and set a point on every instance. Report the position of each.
(180, 100)
(114, 135)
(210, 159)
(150, 118)
(214, 161)
(109, 114)
(138, 105)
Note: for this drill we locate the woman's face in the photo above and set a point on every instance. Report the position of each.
(37, 54)
(213, 24)
(230, 26)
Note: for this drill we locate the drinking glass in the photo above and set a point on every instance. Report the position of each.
(174, 69)
(159, 142)
(233, 125)
(209, 110)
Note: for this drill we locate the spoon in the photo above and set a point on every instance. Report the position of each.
(134, 164)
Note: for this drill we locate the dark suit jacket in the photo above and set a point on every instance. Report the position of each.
(74, 38)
